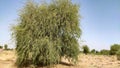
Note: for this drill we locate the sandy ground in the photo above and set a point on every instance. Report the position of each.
(7, 60)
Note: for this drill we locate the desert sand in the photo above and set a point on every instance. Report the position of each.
(8, 58)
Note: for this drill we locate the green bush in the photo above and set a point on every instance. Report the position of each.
(114, 48)
(104, 52)
(5, 46)
(85, 49)
(93, 51)
(1, 47)
(98, 52)
(47, 32)
(118, 54)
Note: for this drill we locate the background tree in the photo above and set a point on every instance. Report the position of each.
(5, 46)
(114, 48)
(118, 54)
(85, 49)
(1, 47)
(105, 52)
(47, 32)
(93, 51)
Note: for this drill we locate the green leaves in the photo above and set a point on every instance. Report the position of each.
(114, 48)
(118, 54)
(47, 32)
(85, 49)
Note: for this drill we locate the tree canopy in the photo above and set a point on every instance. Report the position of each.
(47, 32)
(86, 49)
(114, 48)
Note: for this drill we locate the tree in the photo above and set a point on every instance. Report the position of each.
(105, 52)
(114, 48)
(93, 51)
(5, 46)
(1, 47)
(97, 51)
(118, 54)
(85, 49)
(47, 32)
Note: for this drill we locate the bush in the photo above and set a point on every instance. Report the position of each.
(104, 52)
(1, 47)
(47, 32)
(85, 49)
(118, 54)
(114, 48)
(5, 46)
(97, 52)
(93, 51)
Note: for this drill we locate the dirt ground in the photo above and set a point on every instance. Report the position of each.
(7, 60)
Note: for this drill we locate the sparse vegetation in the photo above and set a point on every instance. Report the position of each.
(47, 32)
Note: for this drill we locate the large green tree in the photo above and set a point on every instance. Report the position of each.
(114, 48)
(47, 32)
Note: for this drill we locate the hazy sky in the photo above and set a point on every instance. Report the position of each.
(100, 21)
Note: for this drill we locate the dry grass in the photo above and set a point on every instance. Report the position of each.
(98, 61)
(7, 60)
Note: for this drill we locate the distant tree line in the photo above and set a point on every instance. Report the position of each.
(114, 50)
(5, 47)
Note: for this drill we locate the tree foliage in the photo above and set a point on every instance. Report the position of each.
(47, 32)
(1, 47)
(5, 46)
(104, 52)
(118, 54)
(114, 48)
(86, 49)
(93, 51)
